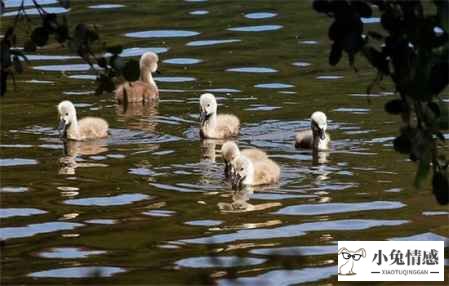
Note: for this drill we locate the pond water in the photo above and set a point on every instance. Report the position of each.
(149, 205)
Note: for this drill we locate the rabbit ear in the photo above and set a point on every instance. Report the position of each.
(361, 251)
(342, 249)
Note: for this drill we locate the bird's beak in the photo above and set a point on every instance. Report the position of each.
(236, 180)
(203, 115)
(61, 125)
(322, 133)
(227, 169)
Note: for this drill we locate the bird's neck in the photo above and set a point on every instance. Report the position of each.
(146, 76)
(211, 122)
(318, 143)
(73, 131)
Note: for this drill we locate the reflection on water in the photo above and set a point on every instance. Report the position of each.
(218, 261)
(332, 208)
(162, 34)
(284, 277)
(199, 12)
(34, 11)
(259, 28)
(74, 149)
(12, 212)
(10, 162)
(68, 252)
(296, 250)
(117, 200)
(78, 272)
(260, 15)
(252, 70)
(182, 61)
(106, 6)
(240, 202)
(38, 228)
(211, 42)
(294, 230)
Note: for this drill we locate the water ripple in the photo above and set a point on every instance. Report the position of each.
(69, 252)
(162, 34)
(259, 28)
(218, 261)
(333, 208)
(33, 229)
(78, 272)
(294, 230)
(283, 277)
(12, 212)
(117, 200)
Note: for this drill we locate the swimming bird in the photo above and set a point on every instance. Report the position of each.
(231, 152)
(84, 129)
(315, 138)
(216, 126)
(255, 173)
(145, 89)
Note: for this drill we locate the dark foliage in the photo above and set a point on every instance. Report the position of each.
(413, 52)
(84, 40)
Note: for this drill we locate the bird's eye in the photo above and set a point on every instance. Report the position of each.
(241, 169)
(208, 105)
(67, 114)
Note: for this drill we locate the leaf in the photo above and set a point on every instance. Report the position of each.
(117, 63)
(102, 62)
(439, 77)
(422, 171)
(362, 8)
(64, 3)
(62, 33)
(9, 33)
(322, 6)
(5, 55)
(39, 36)
(80, 31)
(391, 20)
(395, 106)
(443, 13)
(50, 22)
(17, 64)
(3, 81)
(375, 35)
(435, 108)
(29, 46)
(131, 70)
(335, 55)
(440, 136)
(440, 186)
(377, 59)
(115, 50)
(402, 144)
(109, 85)
(444, 115)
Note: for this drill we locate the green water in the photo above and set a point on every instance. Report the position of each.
(149, 205)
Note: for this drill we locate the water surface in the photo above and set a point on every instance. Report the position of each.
(151, 200)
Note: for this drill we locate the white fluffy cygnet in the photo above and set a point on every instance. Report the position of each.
(216, 126)
(315, 138)
(145, 89)
(255, 173)
(231, 152)
(84, 129)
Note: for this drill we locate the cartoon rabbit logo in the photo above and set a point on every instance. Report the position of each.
(347, 268)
